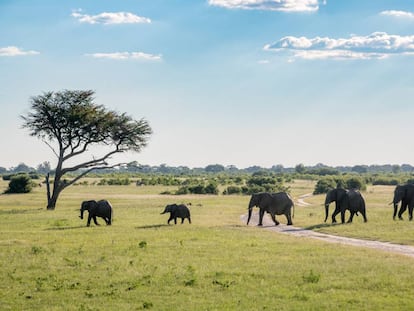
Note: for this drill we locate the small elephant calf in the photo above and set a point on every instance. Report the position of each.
(177, 211)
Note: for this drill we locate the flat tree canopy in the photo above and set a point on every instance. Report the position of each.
(69, 122)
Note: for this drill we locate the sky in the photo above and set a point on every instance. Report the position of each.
(230, 82)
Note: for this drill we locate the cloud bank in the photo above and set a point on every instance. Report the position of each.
(15, 51)
(127, 56)
(377, 45)
(110, 18)
(398, 14)
(270, 5)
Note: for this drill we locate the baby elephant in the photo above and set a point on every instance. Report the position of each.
(101, 209)
(177, 211)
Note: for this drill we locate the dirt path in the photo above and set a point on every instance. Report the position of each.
(300, 232)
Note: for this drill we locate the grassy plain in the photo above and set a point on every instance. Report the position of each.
(51, 261)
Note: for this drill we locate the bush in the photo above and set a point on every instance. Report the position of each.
(20, 183)
(233, 190)
(211, 188)
(355, 183)
(324, 185)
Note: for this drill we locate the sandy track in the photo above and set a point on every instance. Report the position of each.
(300, 232)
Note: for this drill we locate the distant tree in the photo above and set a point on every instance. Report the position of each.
(214, 168)
(22, 168)
(44, 167)
(396, 169)
(3, 170)
(360, 169)
(300, 168)
(70, 123)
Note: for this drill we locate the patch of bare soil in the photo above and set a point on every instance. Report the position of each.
(300, 232)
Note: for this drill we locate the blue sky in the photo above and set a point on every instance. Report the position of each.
(234, 82)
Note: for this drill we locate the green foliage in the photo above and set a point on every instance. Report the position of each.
(355, 182)
(264, 182)
(20, 183)
(209, 188)
(348, 182)
(324, 185)
(311, 277)
(233, 190)
(114, 182)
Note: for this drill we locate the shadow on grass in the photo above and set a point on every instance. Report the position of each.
(66, 228)
(318, 226)
(153, 226)
(21, 211)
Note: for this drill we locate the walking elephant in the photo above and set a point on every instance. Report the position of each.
(405, 194)
(273, 203)
(101, 209)
(177, 211)
(351, 200)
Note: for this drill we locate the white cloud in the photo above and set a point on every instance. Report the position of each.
(377, 45)
(127, 56)
(15, 51)
(110, 18)
(270, 5)
(398, 14)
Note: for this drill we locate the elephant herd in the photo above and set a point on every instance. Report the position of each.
(275, 204)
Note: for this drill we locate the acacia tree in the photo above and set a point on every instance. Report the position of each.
(70, 123)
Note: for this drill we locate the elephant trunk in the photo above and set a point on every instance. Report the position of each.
(81, 214)
(395, 209)
(250, 215)
(326, 211)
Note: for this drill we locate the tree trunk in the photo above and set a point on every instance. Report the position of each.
(52, 199)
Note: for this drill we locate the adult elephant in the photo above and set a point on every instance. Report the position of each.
(273, 203)
(101, 209)
(351, 200)
(405, 194)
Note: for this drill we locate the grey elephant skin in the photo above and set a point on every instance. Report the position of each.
(351, 200)
(405, 195)
(100, 208)
(273, 203)
(177, 211)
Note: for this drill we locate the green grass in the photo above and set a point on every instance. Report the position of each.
(51, 261)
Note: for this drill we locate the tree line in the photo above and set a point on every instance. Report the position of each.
(134, 167)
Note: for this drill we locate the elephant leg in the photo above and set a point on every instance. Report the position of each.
(410, 212)
(289, 219)
(89, 220)
(169, 219)
(189, 220)
(95, 220)
(402, 210)
(182, 220)
(261, 213)
(175, 220)
(343, 216)
(274, 219)
(364, 215)
(351, 217)
(336, 212)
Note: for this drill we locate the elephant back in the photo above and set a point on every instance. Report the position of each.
(183, 211)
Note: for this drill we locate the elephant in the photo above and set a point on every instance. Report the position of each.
(177, 211)
(351, 200)
(274, 204)
(101, 209)
(405, 194)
